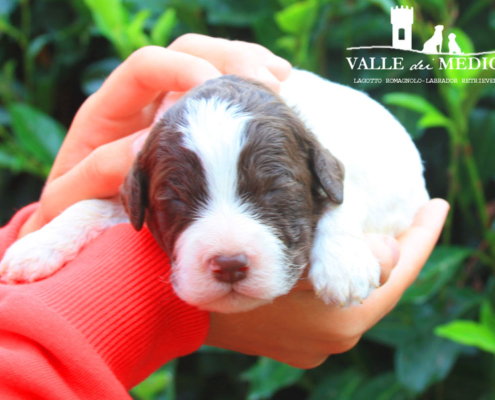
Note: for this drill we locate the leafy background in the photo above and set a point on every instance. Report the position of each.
(439, 342)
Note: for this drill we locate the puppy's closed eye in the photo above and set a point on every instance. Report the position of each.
(169, 193)
(274, 195)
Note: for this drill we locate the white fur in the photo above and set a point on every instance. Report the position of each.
(43, 252)
(383, 189)
(383, 186)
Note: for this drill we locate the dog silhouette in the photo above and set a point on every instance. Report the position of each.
(434, 44)
(453, 46)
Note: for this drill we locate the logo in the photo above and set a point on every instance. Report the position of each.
(450, 53)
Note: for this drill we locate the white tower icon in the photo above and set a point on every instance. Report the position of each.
(402, 20)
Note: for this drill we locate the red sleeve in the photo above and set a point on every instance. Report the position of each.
(97, 327)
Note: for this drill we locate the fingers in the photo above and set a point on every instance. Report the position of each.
(122, 105)
(147, 72)
(98, 176)
(126, 101)
(418, 242)
(416, 245)
(386, 250)
(239, 58)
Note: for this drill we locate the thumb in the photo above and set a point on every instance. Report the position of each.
(386, 250)
(98, 176)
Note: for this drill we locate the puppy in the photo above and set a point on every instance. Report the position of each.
(243, 189)
(434, 44)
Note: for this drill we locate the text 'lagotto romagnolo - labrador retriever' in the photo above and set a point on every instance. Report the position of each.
(243, 189)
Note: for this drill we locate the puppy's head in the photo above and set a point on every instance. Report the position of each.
(231, 184)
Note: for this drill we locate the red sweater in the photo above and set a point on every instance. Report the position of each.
(97, 327)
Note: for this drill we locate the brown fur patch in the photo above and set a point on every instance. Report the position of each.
(282, 170)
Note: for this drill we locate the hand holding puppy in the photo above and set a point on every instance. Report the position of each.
(98, 150)
(298, 328)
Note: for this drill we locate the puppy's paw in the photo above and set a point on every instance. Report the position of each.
(344, 271)
(30, 259)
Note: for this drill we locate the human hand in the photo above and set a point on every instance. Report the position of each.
(300, 330)
(111, 125)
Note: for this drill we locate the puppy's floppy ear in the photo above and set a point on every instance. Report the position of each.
(328, 170)
(134, 194)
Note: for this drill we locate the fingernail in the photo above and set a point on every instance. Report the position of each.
(139, 142)
(394, 248)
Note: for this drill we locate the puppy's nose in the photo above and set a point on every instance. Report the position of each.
(230, 269)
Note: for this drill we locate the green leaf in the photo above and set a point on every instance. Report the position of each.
(482, 137)
(8, 160)
(432, 117)
(135, 30)
(385, 5)
(158, 385)
(212, 350)
(432, 120)
(161, 32)
(286, 3)
(338, 386)
(443, 263)
(487, 315)
(4, 116)
(111, 19)
(38, 133)
(394, 330)
(288, 43)
(381, 387)
(268, 376)
(13, 158)
(37, 44)
(297, 18)
(236, 13)
(424, 361)
(7, 6)
(6, 27)
(110, 16)
(469, 333)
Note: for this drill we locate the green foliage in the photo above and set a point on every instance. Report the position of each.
(481, 335)
(37, 140)
(431, 117)
(297, 21)
(268, 376)
(126, 31)
(38, 133)
(439, 270)
(54, 53)
(159, 385)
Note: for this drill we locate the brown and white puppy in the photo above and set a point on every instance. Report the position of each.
(239, 187)
(231, 184)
